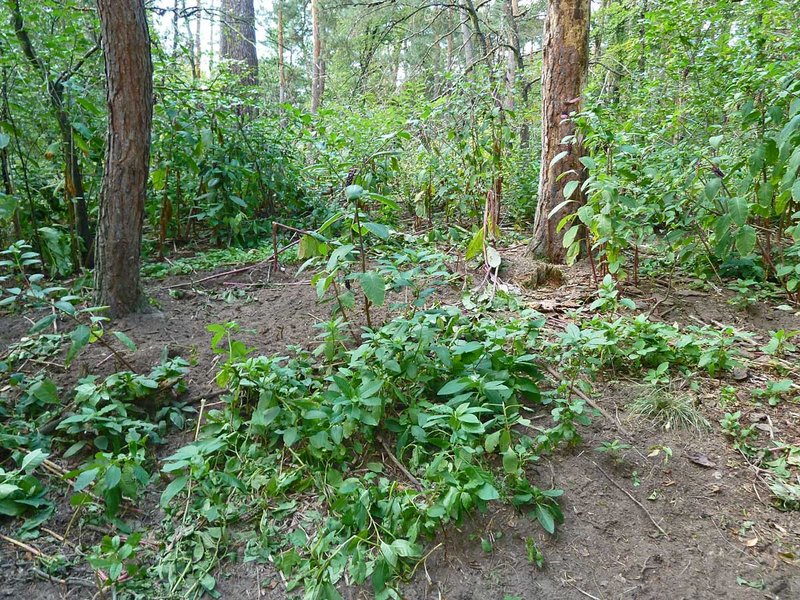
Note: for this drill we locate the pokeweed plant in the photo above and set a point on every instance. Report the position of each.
(444, 396)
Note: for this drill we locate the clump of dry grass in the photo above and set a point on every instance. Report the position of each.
(668, 408)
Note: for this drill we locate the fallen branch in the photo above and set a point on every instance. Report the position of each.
(216, 276)
(401, 466)
(629, 495)
(23, 545)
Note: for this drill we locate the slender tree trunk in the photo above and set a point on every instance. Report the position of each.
(176, 30)
(317, 66)
(192, 52)
(397, 56)
(129, 76)
(513, 54)
(212, 20)
(564, 70)
(238, 39)
(73, 177)
(281, 65)
(450, 41)
(466, 36)
(198, 47)
(601, 26)
(642, 38)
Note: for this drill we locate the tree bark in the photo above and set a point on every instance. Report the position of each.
(212, 19)
(238, 39)
(73, 176)
(466, 36)
(198, 45)
(317, 66)
(565, 64)
(513, 53)
(129, 76)
(450, 42)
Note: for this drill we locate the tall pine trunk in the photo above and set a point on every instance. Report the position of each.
(565, 65)
(317, 66)
(238, 39)
(129, 77)
(198, 45)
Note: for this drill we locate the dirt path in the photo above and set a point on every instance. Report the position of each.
(722, 534)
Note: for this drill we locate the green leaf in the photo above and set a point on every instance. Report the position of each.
(746, 240)
(405, 548)
(33, 459)
(715, 141)
(208, 581)
(386, 201)
(569, 237)
(389, 554)
(557, 208)
(80, 337)
(125, 340)
(488, 492)
(570, 188)
(491, 441)
(337, 255)
(738, 209)
(44, 391)
(713, 186)
(378, 229)
(454, 387)
(558, 157)
(42, 324)
(173, 489)
(374, 287)
(6, 489)
(354, 192)
(113, 477)
(309, 247)
(545, 519)
(510, 461)
(475, 246)
(85, 478)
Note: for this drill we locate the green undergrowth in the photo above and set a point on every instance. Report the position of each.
(296, 464)
(207, 260)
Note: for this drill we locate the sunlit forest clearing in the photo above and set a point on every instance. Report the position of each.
(394, 299)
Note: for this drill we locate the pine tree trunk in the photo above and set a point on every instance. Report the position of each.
(317, 68)
(129, 77)
(198, 47)
(176, 30)
(466, 35)
(513, 54)
(238, 39)
(564, 71)
(450, 42)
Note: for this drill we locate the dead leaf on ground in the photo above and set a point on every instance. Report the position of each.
(701, 459)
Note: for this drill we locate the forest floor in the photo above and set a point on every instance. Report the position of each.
(699, 524)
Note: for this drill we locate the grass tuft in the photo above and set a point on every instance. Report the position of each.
(668, 408)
